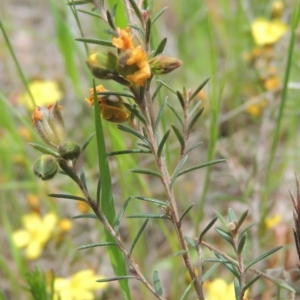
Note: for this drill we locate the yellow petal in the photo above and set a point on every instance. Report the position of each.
(21, 238)
(49, 221)
(31, 221)
(33, 250)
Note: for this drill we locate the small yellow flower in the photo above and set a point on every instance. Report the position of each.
(124, 41)
(272, 221)
(272, 83)
(219, 289)
(99, 89)
(35, 234)
(256, 110)
(267, 32)
(80, 286)
(65, 225)
(44, 93)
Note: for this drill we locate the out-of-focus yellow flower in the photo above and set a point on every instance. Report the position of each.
(272, 221)
(267, 32)
(25, 134)
(44, 93)
(34, 202)
(124, 41)
(80, 286)
(219, 289)
(65, 225)
(272, 83)
(82, 206)
(277, 9)
(256, 110)
(35, 234)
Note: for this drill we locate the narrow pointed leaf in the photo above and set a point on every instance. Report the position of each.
(144, 146)
(198, 89)
(129, 151)
(65, 196)
(151, 200)
(237, 289)
(210, 271)
(146, 171)
(242, 219)
(242, 243)
(193, 147)
(214, 162)
(156, 91)
(179, 136)
(138, 236)
(225, 235)
(187, 290)
(210, 224)
(157, 283)
(246, 287)
(246, 228)
(96, 245)
(147, 31)
(93, 14)
(118, 218)
(159, 14)
(44, 149)
(181, 252)
(82, 178)
(194, 109)
(161, 46)
(136, 112)
(177, 171)
(95, 41)
(68, 171)
(221, 218)
(114, 11)
(268, 253)
(86, 143)
(138, 29)
(175, 113)
(162, 143)
(181, 99)
(85, 216)
(167, 86)
(136, 10)
(98, 195)
(110, 93)
(231, 215)
(149, 216)
(229, 266)
(160, 113)
(116, 278)
(195, 118)
(191, 242)
(132, 131)
(186, 211)
(79, 2)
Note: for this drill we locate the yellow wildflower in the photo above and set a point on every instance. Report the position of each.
(44, 93)
(219, 289)
(267, 32)
(256, 110)
(35, 234)
(79, 287)
(124, 41)
(272, 83)
(272, 221)
(99, 89)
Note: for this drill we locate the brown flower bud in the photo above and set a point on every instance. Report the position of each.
(163, 64)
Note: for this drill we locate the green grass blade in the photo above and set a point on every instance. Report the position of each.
(138, 236)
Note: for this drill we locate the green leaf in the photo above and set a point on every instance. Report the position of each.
(138, 236)
(242, 219)
(210, 224)
(68, 171)
(149, 216)
(231, 215)
(95, 41)
(246, 228)
(160, 113)
(246, 287)
(225, 235)
(146, 171)
(175, 113)
(191, 242)
(221, 218)
(129, 151)
(151, 200)
(157, 283)
(193, 147)
(137, 10)
(159, 14)
(119, 94)
(156, 91)
(187, 290)
(180, 252)
(228, 265)
(167, 86)
(85, 216)
(181, 99)
(106, 200)
(179, 137)
(210, 271)
(97, 245)
(195, 108)
(79, 2)
(210, 163)
(148, 31)
(98, 195)
(87, 142)
(195, 118)
(120, 214)
(136, 112)
(65, 196)
(110, 18)
(135, 133)
(198, 89)
(237, 289)
(44, 149)
(116, 278)
(186, 211)
(82, 178)
(177, 170)
(263, 256)
(161, 46)
(242, 243)
(93, 14)
(162, 143)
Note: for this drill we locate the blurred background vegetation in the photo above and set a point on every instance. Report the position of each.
(242, 101)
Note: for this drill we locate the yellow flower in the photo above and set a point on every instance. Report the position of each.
(219, 289)
(124, 41)
(267, 32)
(272, 221)
(35, 234)
(44, 93)
(256, 110)
(79, 287)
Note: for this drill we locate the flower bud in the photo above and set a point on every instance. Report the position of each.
(163, 64)
(277, 9)
(69, 150)
(45, 167)
(49, 124)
